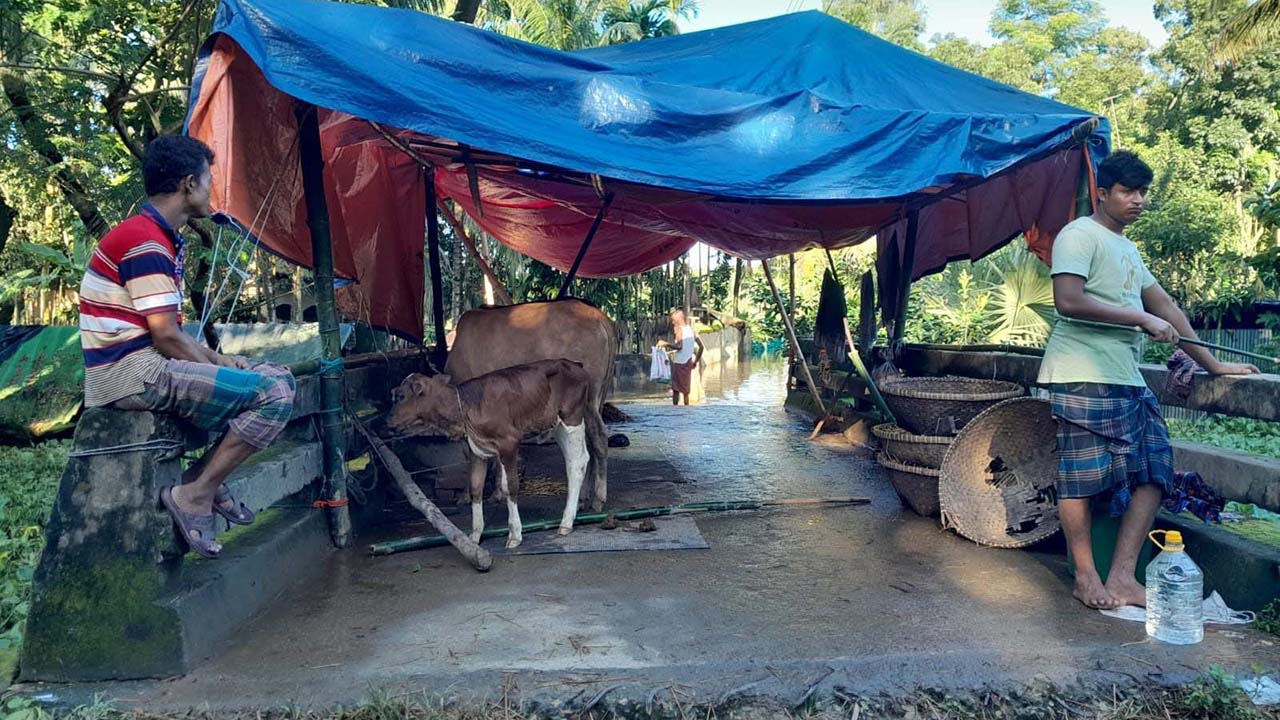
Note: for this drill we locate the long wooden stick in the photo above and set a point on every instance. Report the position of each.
(421, 542)
(498, 287)
(1181, 340)
(791, 335)
(479, 558)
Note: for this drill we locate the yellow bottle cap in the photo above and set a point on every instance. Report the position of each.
(1173, 537)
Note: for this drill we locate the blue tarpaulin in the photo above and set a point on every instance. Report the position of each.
(798, 107)
(759, 139)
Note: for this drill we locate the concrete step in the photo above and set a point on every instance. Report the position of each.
(275, 473)
(210, 599)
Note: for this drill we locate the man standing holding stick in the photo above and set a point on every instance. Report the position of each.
(1112, 440)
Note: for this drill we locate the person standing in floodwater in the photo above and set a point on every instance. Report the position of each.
(688, 347)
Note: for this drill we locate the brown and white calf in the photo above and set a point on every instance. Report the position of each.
(494, 412)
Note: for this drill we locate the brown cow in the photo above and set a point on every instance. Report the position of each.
(489, 339)
(494, 412)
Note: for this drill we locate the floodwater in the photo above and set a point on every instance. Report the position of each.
(742, 444)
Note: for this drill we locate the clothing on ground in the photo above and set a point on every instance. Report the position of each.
(255, 404)
(134, 272)
(1114, 274)
(1111, 439)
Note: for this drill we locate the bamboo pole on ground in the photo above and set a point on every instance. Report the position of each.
(791, 335)
(423, 542)
(479, 558)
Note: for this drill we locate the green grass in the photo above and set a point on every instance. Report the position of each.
(1215, 696)
(28, 484)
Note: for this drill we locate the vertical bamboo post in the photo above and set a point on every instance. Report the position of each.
(904, 280)
(737, 284)
(333, 434)
(791, 335)
(437, 282)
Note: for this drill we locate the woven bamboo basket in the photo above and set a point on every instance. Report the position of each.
(943, 405)
(996, 485)
(911, 449)
(917, 486)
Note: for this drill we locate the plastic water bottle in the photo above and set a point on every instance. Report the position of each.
(1175, 593)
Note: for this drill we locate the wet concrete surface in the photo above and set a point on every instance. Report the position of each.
(785, 604)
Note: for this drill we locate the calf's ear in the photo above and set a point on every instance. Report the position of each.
(417, 385)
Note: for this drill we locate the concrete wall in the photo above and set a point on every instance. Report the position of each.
(1237, 475)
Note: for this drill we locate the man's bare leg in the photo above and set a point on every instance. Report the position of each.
(196, 496)
(1076, 524)
(1121, 583)
(193, 472)
(675, 397)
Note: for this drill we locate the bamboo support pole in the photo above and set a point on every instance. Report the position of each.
(392, 547)
(437, 275)
(479, 558)
(791, 335)
(333, 433)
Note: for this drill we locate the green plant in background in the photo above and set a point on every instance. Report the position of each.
(1021, 297)
(1269, 618)
(27, 489)
(1257, 437)
(963, 313)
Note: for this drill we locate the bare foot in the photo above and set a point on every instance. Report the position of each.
(1126, 590)
(1093, 593)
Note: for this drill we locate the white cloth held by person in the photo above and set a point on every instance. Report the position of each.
(659, 366)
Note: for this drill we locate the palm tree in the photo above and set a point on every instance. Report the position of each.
(1254, 28)
(629, 20)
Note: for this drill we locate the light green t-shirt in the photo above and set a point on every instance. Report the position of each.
(1113, 273)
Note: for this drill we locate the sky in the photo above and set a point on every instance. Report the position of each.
(967, 18)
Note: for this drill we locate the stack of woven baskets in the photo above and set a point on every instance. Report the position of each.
(930, 411)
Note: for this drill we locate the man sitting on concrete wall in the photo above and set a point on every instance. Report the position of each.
(137, 357)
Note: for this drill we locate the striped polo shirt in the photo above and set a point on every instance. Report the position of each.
(133, 273)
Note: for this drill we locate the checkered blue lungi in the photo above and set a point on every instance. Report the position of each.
(1111, 439)
(255, 404)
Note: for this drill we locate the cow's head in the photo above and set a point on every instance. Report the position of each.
(423, 406)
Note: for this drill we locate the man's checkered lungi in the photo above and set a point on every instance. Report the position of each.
(255, 404)
(1111, 438)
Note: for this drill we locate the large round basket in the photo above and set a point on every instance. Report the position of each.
(917, 486)
(943, 405)
(911, 449)
(996, 485)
